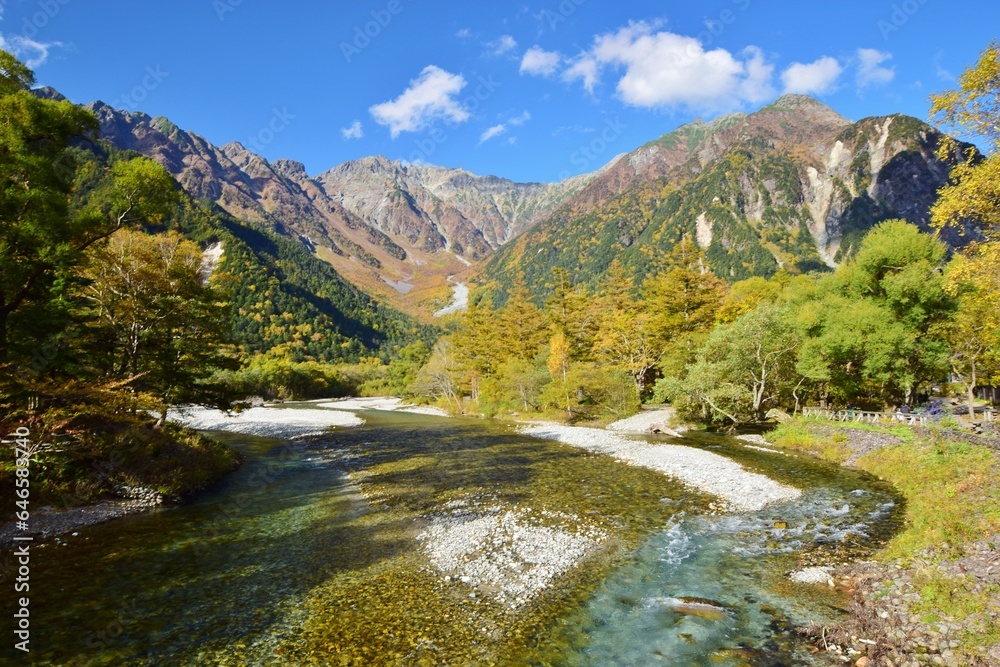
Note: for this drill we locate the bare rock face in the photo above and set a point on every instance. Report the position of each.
(441, 208)
(423, 207)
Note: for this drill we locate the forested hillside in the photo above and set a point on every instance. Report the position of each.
(793, 186)
(715, 293)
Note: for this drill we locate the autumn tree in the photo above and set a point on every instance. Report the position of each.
(570, 311)
(476, 347)
(48, 227)
(521, 323)
(974, 109)
(156, 328)
(682, 303)
(625, 339)
(439, 377)
(974, 334)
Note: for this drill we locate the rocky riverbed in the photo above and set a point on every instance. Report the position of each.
(887, 627)
(51, 522)
(265, 422)
(508, 553)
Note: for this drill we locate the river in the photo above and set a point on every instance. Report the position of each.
(317, 552)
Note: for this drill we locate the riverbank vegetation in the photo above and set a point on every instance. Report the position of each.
(949, 489)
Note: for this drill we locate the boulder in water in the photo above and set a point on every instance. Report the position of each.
(699, 607)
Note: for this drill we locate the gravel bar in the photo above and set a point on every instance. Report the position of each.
(739, 488)
(264, 421)
(509, 553)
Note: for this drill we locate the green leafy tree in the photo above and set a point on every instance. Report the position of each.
(743, 368)
(520, 384)
(876, 331)
(41, 239)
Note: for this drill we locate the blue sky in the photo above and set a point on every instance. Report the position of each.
(533, 91)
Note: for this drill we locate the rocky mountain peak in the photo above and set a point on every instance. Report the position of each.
(802, 108)
(290, 169)
(47, 93)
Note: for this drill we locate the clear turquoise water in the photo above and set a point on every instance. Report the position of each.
(287, 563)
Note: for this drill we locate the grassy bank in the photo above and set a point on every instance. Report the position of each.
(950, 488)
(95, 464)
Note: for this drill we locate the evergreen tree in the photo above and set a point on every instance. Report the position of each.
(522, 326)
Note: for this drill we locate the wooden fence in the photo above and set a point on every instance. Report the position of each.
(868, 417)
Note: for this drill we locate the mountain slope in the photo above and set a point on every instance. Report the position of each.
(284, 301)
(395, 230)
(793, 185)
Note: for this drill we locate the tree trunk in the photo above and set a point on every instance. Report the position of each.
(972, 393)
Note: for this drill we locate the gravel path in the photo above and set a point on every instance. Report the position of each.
(646, 421)
(264, 422)
(739, 488)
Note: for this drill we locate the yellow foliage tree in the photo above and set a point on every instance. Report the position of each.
(974, 108)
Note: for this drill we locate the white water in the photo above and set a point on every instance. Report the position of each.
(459, 300)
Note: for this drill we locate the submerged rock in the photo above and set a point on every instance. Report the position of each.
(812, 575)
(708, 609)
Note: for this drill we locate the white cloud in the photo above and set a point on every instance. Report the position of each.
(523, 118)
(816, 78)
(539, 62)
(430, 97)
(464, 33)
(492, 132)
(870, 69)
(31, 52)
(584, 68)
(664, 69)
(502, 45)
(353, 132)
(497, 130)
(756, 86)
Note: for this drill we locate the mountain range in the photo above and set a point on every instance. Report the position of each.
(793, 185)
